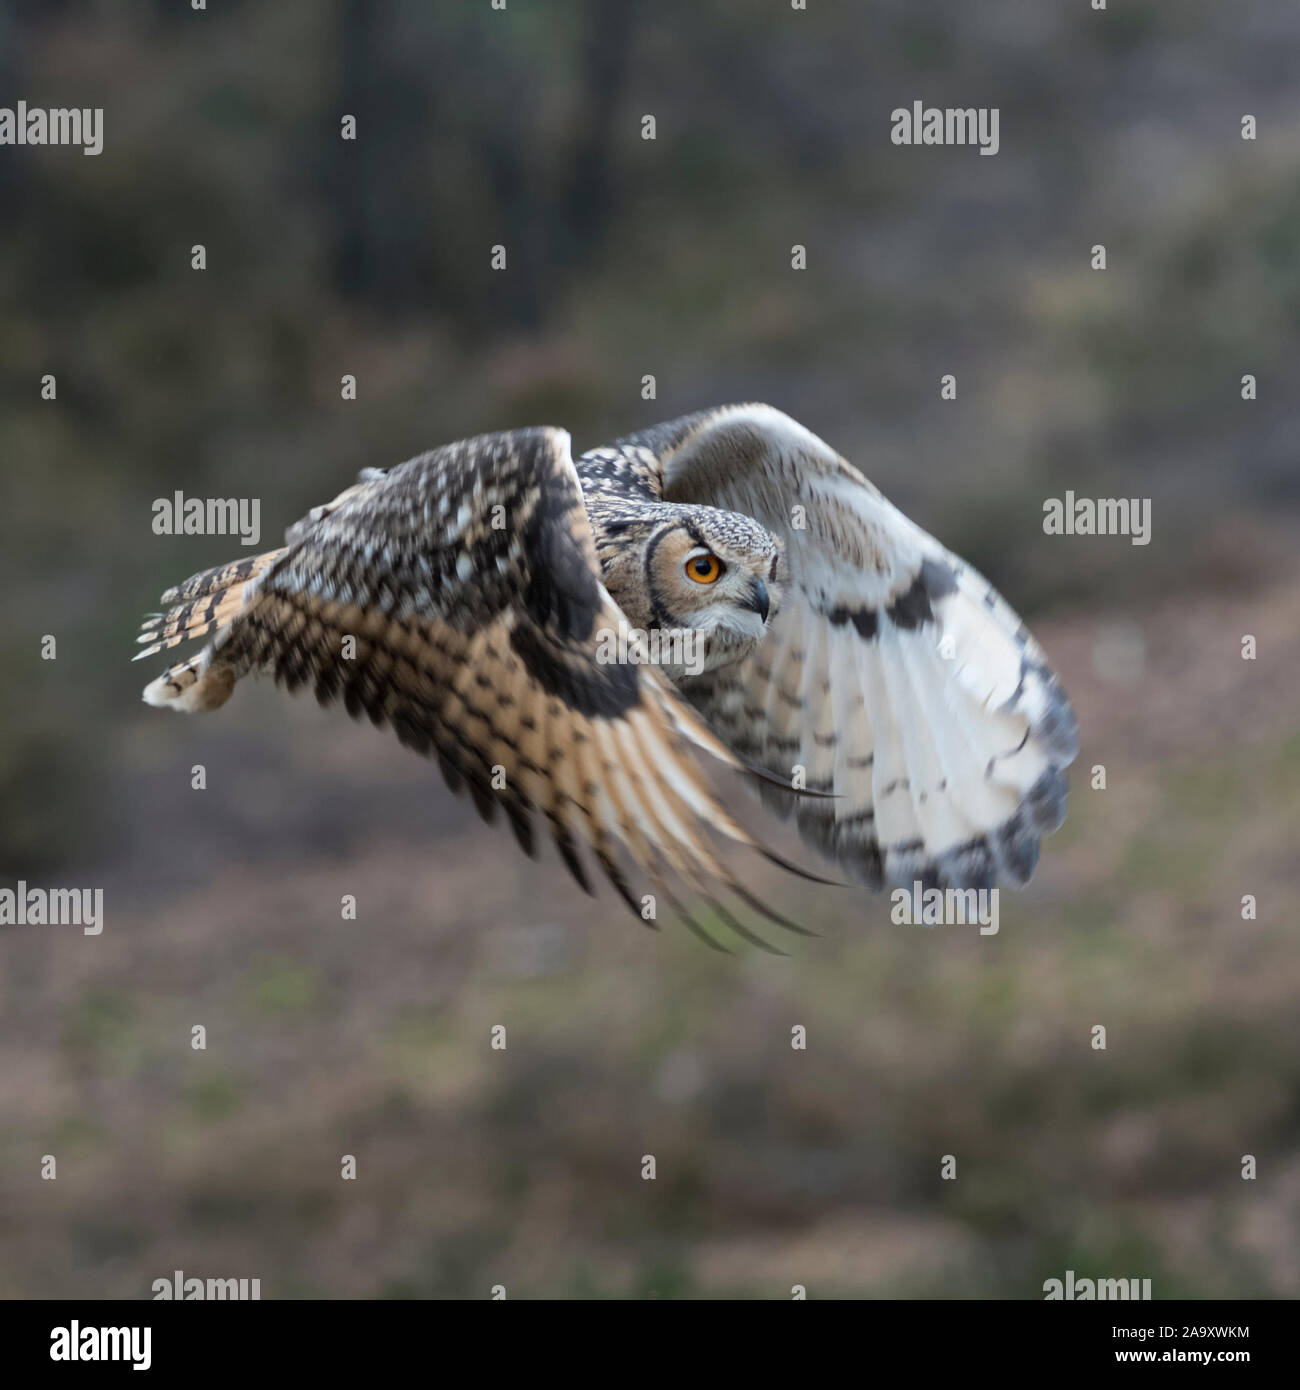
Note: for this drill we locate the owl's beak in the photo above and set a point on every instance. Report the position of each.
(757, 599)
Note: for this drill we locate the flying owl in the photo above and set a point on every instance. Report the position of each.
(872, 685)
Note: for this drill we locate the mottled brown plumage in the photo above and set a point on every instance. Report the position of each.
(466, 599)
(458, 599)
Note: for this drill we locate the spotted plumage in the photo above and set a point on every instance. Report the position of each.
(894, 676)
(880, 690)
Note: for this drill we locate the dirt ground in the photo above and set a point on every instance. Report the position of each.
(328, 1037)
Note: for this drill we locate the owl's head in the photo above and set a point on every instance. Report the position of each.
(716, 573)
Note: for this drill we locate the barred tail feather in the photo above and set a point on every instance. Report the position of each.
(212, 581)
(204, 604)
(192, 687)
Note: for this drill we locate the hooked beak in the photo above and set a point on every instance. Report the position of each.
(757, 599)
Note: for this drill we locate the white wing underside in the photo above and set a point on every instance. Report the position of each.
(894, 675)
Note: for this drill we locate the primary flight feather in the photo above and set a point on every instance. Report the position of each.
(893, 702)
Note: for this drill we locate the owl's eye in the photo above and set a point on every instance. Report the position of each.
(704, 569)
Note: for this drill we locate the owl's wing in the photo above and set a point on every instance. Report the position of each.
(468, 583)
(893, 674)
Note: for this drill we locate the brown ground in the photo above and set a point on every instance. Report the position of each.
(775, 1167)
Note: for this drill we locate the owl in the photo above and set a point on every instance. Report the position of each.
(579, 642)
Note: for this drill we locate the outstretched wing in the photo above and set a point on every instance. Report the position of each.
(457, 598)
(894, 674)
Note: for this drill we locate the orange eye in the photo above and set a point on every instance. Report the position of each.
(704, 569)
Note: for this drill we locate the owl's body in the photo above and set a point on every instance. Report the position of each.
(887, 697)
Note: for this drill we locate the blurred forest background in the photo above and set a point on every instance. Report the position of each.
(626, 258)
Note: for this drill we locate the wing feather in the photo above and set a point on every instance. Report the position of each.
(457, 599)
(893, 673)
